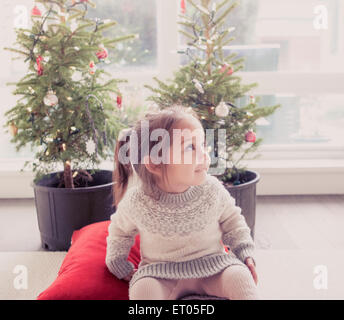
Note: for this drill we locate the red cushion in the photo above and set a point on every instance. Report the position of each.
(83, 274)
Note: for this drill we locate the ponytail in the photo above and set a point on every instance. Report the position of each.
(122, 172)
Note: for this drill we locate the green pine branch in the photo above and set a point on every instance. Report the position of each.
(226, 12)
(50, 126)
(207, 35)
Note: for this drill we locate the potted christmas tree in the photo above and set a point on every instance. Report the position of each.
(208, 84)
(68, 113)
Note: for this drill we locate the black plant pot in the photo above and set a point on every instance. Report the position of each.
(61, 211)
(245, 197)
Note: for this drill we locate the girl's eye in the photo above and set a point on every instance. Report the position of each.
(189, 147)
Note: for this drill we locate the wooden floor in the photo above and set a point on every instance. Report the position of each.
(282, 222)
(300, 222)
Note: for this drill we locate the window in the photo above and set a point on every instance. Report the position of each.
(13, 15)
(307, 34)
(279, 35)
(307, 119)
(133, 17)
(294, 50)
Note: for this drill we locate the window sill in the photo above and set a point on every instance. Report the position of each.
(277, 177)
(299, 177)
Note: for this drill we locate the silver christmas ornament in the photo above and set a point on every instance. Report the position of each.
(198, 85)
(222, 110)
(90, 147)
(50, 99)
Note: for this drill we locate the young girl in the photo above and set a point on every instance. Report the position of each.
(184, 216)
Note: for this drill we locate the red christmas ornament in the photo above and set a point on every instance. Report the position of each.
(102, 53)
(182, 7)
(39, 66)
(227, 68)
(92, 68)
(40, 71)
(36, 12)
(119, 101)
(250, 136)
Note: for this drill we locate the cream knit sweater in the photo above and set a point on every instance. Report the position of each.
(181, 234)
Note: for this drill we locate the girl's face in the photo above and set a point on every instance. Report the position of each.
(189, 161)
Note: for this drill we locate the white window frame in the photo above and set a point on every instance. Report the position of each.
(284, 169)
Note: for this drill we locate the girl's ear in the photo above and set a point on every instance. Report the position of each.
(151, 167)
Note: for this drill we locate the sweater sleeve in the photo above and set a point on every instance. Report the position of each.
(122, 231)
(235, 231)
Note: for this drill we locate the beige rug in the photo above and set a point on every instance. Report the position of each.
(283, 274)
(23, 275)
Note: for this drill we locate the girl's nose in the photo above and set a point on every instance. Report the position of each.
(203, 157)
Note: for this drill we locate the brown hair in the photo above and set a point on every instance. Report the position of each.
(164, 119)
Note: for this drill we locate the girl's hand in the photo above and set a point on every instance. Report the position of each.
(129, 276)
(250, 264)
